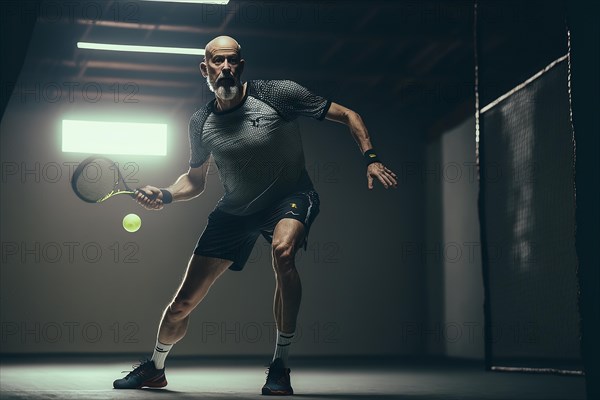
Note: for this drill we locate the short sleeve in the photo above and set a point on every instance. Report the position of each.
(292, 100)
(198, 153)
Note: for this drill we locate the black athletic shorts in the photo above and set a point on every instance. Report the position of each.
(232, 237)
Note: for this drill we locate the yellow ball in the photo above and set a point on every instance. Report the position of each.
(132, 222)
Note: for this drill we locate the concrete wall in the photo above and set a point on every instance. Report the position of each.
(455, 322)
(59, 294)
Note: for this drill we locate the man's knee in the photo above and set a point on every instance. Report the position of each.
(283, 256)
(179, 308)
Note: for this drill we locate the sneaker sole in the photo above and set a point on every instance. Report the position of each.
(269, 392)
(158, 384)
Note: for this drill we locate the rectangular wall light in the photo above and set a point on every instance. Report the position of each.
(104, 137)
(141, 49)
(223, 2)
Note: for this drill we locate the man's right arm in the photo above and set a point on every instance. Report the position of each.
(186, 187)
(190, 184)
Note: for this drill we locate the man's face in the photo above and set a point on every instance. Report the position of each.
(222, 69)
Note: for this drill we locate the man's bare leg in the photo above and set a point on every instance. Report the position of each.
(201, 273)
(287, 238)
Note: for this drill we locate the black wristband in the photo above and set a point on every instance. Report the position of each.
(167, 197)
(371, 157)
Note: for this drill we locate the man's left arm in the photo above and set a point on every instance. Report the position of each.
(375, 169)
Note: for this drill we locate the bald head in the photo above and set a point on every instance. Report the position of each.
(222, 44)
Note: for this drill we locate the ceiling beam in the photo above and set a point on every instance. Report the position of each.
(288, 34)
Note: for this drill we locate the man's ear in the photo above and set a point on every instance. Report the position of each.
(203, 69)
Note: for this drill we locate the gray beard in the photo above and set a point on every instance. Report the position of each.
(227, 92)
(223, 92)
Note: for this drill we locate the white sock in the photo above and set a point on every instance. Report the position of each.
(282, 347)
(160, 354)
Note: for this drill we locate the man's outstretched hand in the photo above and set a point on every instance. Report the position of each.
(379, 171)
(143, 198)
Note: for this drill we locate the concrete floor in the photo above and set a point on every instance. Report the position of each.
(91, 378)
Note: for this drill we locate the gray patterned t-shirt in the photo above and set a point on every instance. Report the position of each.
(257, 145)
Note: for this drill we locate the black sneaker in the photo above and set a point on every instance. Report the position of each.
(278, 380)
(143, 375)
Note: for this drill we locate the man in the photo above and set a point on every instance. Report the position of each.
(251, 133)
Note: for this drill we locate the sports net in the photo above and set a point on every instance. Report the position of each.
(527, 210)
